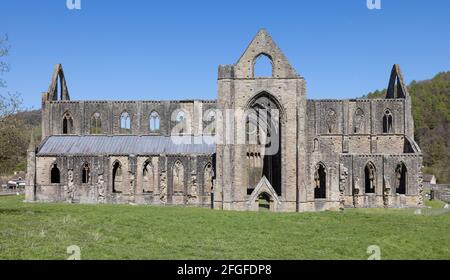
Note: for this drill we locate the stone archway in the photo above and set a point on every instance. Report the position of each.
(264, 191)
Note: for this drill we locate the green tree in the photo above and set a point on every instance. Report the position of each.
(13, 134)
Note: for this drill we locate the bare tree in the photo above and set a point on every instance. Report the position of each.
(4, 66)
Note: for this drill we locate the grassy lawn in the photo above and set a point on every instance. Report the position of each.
(435, 203)
(44, 231)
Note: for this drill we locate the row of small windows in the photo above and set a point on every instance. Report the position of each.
(181, 119)
(125, 123)
(55, 176)
(148, 175)
(358, 120)
(149, 178)
(96, 123)
(320, 179)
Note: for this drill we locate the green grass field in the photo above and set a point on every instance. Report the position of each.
(44, 231)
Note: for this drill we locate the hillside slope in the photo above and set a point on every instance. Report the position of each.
(431, 111)
(15, 134)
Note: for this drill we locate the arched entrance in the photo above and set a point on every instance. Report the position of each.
(264, 201)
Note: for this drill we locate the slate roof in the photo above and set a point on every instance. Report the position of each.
(126, 145)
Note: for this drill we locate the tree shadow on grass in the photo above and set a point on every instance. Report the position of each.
(18, 212)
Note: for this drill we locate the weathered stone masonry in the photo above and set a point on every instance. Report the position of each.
(333, 154)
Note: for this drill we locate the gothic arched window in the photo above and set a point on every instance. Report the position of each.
(401, 178)
(210, 122)
(154, 122)
(181, 122)
(178, 177)
(86, 174)
(207, 179)
(331, 119)
(358, 120)
(387, 121)
(125, 123)
(263, 128)
(55, 175)
(148, 180)
(370, 178)
(96, 123)
(67, 123)
(263, 66)
(320, 179)
(117, 177)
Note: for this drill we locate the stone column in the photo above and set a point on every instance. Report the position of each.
(30, 188)
(132, 168)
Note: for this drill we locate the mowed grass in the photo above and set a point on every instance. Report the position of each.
(44, 231)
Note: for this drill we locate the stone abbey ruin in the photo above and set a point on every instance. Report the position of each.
(322, 154)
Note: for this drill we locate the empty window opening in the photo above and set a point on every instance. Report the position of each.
(67, 123)
(208, 179)
(358, 120)
(331, 120)
(401, 178)
(117, 177)
(96, 124)
(178, 177)
(320, 179)
(210, 123)
(154, 122)
(181, 121)
(125, 123)
(387, 122)
(86, 174)
(369, 172)
(263, 66)
(55, 175)
(148, 177)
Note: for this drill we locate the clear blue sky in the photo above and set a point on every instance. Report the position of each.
(142, 49)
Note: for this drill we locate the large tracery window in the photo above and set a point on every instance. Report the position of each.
(263, 139)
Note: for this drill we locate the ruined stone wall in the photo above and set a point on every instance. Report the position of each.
(347, 135)
(110, 113)
(237, 88)
(343, 136)
(99, 188)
